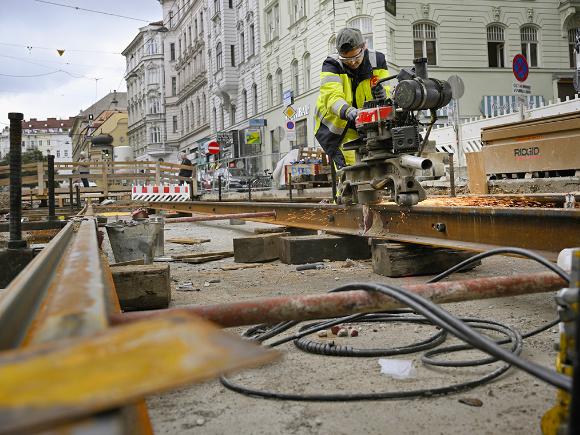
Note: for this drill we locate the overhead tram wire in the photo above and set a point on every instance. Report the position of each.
(30, 47)
(92, 11)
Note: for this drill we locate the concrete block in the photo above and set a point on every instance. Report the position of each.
(142, 287)
(255, 249)
(401, 259)
(310, 249)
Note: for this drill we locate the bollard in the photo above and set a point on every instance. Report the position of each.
(16, 241)
(51, 211)
(219, 188)
(250, 190)
(71, 195)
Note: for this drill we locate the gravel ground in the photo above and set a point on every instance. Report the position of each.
(513, 404)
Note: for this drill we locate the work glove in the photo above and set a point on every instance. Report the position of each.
(379, 92)
(351, 114)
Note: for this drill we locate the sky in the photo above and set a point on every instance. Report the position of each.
(31, 32)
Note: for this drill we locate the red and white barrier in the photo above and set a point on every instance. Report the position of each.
(161, 193)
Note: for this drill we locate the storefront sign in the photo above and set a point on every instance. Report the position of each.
(260, 122)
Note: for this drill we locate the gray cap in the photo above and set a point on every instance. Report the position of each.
(348, 39)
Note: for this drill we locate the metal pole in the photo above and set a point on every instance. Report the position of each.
(70, 194)
(220, 188)
(250, 190)
(78, 192)
(325, 306)
(290, 184)
(219, 217)
(51, 211)
(16, 241)
(451, 174)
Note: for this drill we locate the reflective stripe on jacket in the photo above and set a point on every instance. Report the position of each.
(336, 98)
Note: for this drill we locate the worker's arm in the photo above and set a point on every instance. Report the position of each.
(382, 71)
(331, 89)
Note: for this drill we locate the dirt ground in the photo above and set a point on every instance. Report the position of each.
(513, 404)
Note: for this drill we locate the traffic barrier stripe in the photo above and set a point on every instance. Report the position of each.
(156, 193)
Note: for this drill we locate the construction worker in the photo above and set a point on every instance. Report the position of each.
(346, 82)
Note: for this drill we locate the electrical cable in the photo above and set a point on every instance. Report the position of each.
(438, 316)
(91, 10)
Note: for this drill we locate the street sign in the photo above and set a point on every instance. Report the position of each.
(213, 147)
(521, 89)
(520, 68)
(258, 122)
(291, 130)
(289, 112)
(288, 97)
(457, 86)
(253, 136)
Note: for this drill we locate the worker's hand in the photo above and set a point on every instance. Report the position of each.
(352, 114)
(379, 92)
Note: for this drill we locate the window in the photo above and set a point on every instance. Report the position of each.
(252, 40)
(66, 153)
(193, 119)
(186, 123)
(242, 46)
(58, 153)
(245, 103)
(295, 77)
(48, 142)
(529, 36)
(231, 4)
(216, 6)
(365, 25)
(174, 86)
(280, 84)
(222, 117)
(232, 114)
(306, 71)
(40, 143)
(175, 124)
(297, 10)
(201, 23)
(272, 22)
(154, 105)
(270, 90)
(218, 56)
(155, 135)
(181, 122)
(495, 46)
(425, 42)
(301, 134)
(233, 55)
(255, 98)
(151, 46)
(571, 45)
(172, 51)
(204, 107)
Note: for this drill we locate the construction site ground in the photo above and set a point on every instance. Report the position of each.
(512, 404)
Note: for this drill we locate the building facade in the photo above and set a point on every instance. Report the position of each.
(235, 78)
(83, 125)
(476, 41)
(186, 91)
(145, 77)
(49, 136)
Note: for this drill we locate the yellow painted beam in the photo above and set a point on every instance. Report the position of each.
(57, 381)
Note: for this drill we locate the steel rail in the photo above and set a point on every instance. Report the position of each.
(544, 230)
(323, 306)
(65, 292)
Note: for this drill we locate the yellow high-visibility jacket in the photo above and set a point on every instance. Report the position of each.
(340, 91)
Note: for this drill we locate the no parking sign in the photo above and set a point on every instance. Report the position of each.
(291, 130)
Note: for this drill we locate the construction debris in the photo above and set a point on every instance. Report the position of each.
(186, 241)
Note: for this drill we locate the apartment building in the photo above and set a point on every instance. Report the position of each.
(474, 40)
(186, 84)
(145, 77)
(49, 136)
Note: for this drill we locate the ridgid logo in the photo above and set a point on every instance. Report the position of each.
(526, 153)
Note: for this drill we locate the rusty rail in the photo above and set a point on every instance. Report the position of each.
(545, 231)
(280, 309)
(219, 217)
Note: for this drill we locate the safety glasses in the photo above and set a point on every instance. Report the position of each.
(353, 59)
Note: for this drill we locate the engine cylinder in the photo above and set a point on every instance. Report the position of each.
(417, 94)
